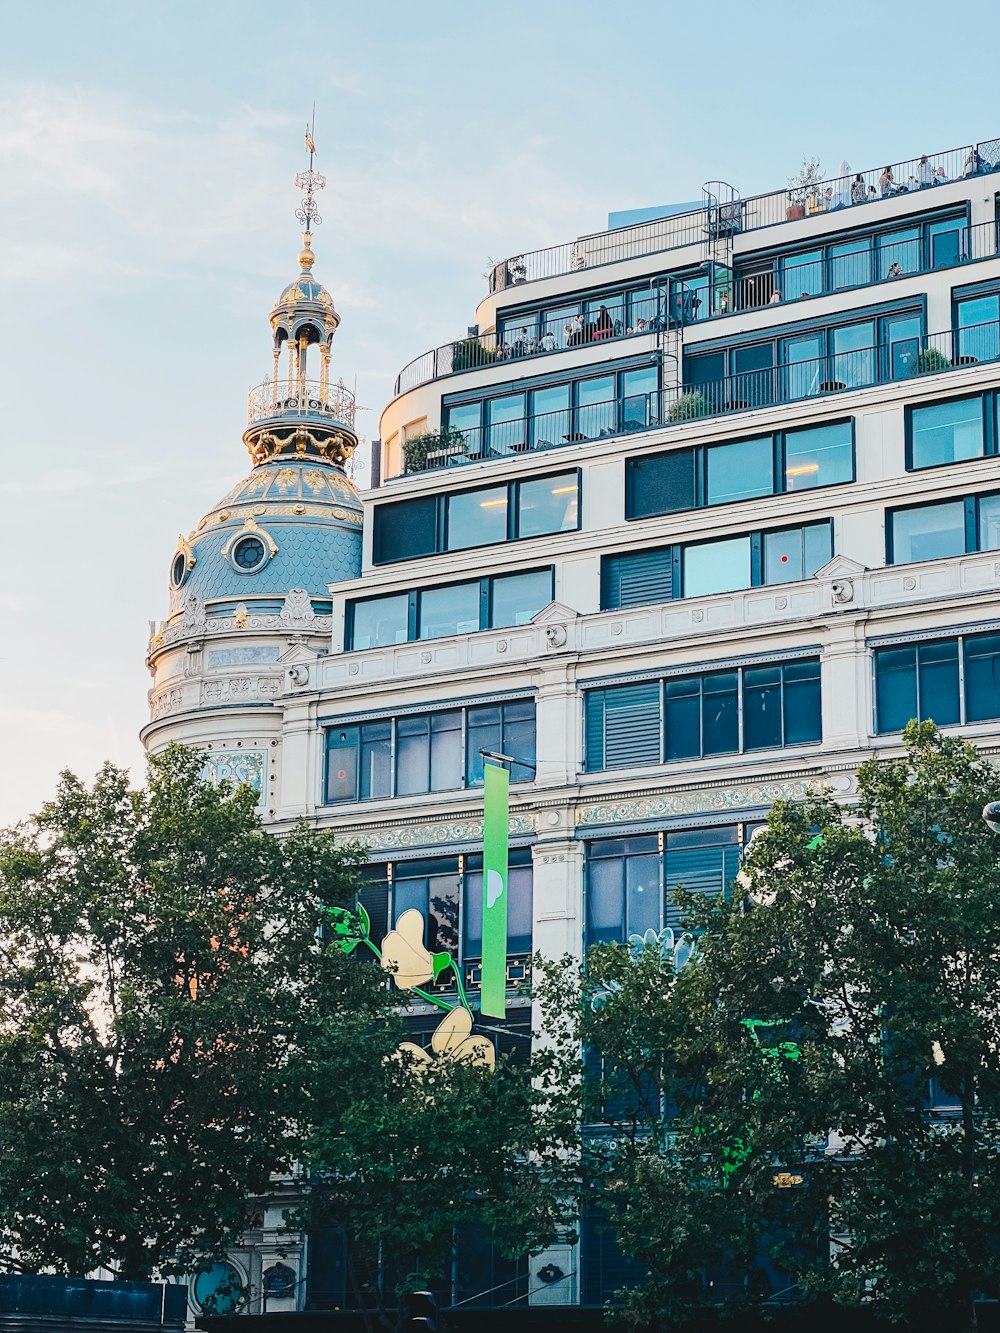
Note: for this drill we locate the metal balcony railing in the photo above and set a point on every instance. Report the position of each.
(280, 401)
(858, 368)
(786, 281)
(762, 210)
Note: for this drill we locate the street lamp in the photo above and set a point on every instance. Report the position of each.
(991, 816)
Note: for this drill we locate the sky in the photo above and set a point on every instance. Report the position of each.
(147, 226)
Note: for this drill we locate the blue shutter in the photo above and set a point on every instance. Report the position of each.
(623, 726)
(637, 579)
(699, 870)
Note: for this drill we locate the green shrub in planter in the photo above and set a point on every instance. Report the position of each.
(418, 448)
(930, 360)
(469, 353)
(688, 406)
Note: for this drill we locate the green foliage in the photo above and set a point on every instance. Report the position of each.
(160, 990)
(418, 448)
(468, 353)
(777, 1085)
(689, 405)
(931, 360)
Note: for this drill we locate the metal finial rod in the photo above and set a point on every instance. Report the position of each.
(309, 182)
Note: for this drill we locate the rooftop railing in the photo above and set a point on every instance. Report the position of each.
(647, 312)
(859, 368)
(300, 399)
(762, 210)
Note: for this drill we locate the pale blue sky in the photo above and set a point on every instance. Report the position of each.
(146, 151)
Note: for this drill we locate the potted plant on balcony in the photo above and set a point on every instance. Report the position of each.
(931, 359)
(803, 187)
(419, 450)
(689, 405)
(468, 353)
(517, 269)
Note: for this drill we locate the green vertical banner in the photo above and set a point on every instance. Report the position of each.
(496, 820)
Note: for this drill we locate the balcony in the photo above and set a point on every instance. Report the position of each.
(860, 368)
(755, 212)
(301, 401)
(672, 303)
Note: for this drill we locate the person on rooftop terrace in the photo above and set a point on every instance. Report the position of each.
(925, 172)
(858, 192)
(603, 325)
(973, 163)
(887, 184)
(940, 176)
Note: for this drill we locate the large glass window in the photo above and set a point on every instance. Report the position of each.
(917, 681)
(639, 397)
(419, 753)
(405, 529)
(701, 715)
(506, 419)
(802, 275)
(989, 523)
(792, 554)
(476, 518)
(982, 677)
(451, 609)
(429, 753)
(946, 242)
(899, 253)
(434, 896)
(741, 470)
(659, 483)
(819, 456)
(380, 620)
(928, 532)
(517, 597)
(468, 418)
(550, 416)
(595, 406)
(560, 324)
(519, 908)
(548, 504)
(722, 566)
(508, 729)
(781, 704)
(803, 363)
(851, 263)
(853, 355)
(978, 330)
(946, 432)
(704, 861)
(623, 888)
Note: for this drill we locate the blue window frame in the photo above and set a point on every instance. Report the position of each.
(949, 432)
(953, 680)
(693, 716)
(418, 753)
(779, 555)
(792, 460)
(629, 881)
(944, 528)
(977, 325)
(450, 608)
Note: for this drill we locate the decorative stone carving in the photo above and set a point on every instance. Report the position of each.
(842, 591)
(297, 610)
(298, 675)
(692, 802)
(193, 617)
(555, 636)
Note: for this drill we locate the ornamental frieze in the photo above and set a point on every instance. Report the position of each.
(433, 834)
(691, 803)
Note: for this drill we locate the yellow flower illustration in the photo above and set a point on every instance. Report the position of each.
(404, 954)
(453, 1040)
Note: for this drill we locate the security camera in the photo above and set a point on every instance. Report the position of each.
(991, 814)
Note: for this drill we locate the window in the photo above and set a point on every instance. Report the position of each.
(548, 504)
(791, 460)
(802, 275)
(923, 680)
(505, 417)
(519, 905)
(898, 250)
(819, 456)
(507, 728)
(248, 555)
(853, 348)
(477, 518)
(405, 529)
(517, 597)
(451, 608)
(850, 263)
(427, 752)
(711, 567)
(740, 471)
(595, 406)
(919, 680)
(783, 555)
(948, 432)
(692, 716)
(629, 881)
(378, 621)
(953, 527)
(551, 421)
(978, 329)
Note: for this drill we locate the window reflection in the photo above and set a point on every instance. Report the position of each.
(548, 504)
(930, 532)
(722, 566)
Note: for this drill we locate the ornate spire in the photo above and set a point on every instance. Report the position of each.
(295, 411)
(309, 182)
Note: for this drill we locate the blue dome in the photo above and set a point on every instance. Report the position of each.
(292, 523)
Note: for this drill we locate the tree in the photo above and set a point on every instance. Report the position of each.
(430, 1143)
(823, 1081)
(161, 986)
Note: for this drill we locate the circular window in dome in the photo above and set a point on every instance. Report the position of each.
(178, 570)
(248, 554)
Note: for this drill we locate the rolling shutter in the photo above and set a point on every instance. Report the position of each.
(637, 579)
(623, 726)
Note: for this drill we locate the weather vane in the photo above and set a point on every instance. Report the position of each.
(308, 182)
